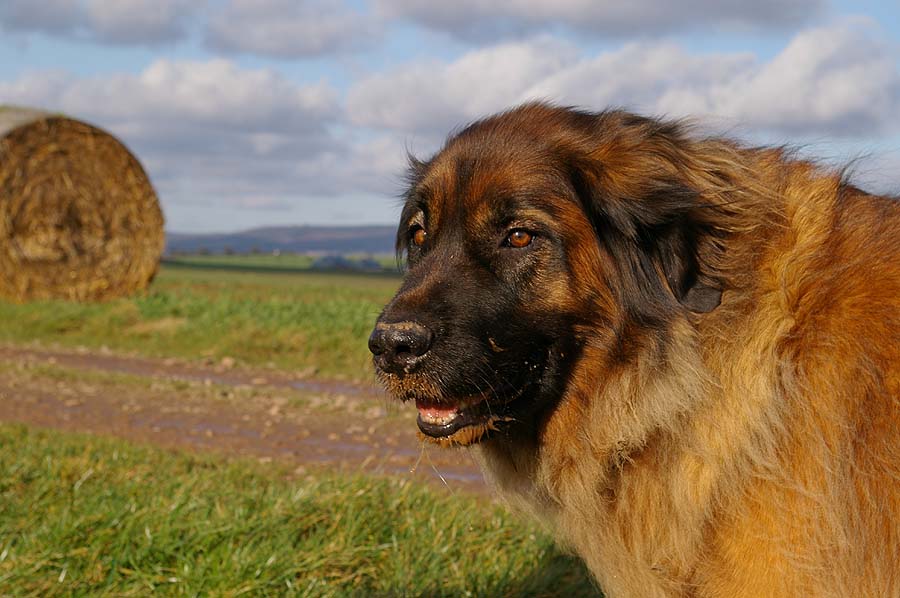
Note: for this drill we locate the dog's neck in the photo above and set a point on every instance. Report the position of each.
(647, 452)
(630, 456)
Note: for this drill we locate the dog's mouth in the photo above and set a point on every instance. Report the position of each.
(469, 420)
(464, 418)
(462, 423)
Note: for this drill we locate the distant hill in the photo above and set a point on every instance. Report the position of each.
(288, 239)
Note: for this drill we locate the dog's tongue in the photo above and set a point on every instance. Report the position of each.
(433, 413)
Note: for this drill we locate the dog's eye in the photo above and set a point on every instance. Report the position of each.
(519, 238)
(418, 235)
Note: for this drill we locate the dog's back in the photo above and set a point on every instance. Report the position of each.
(682, 354)
(785, 480)
(815, 509)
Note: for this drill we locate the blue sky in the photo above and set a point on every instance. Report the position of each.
(261, 112)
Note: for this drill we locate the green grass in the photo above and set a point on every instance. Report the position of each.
(268, 261)
(316, 322)
(286, 261)
(83, 516)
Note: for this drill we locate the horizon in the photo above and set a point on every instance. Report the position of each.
(249, 114)
(168, 231)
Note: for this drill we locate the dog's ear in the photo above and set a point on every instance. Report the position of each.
(659, 236)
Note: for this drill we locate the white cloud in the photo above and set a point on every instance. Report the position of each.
(119, 22)
(213, 133)
(287, 28)
(430, 98)
(51, 16)
(840, 80)
(659, 77)
(210, 131)
(183, 105)
(479, 19)
(129, 22)
(215, 93)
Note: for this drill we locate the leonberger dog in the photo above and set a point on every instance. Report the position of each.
(679, 352)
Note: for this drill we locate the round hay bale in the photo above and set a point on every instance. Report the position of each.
(79, 219)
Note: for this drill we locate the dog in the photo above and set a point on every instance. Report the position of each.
(680, 353)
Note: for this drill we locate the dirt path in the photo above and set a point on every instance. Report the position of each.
(223, 372)
(264, 414)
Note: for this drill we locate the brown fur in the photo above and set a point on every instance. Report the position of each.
(746, 449)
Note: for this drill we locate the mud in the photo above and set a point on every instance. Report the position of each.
(218, 372)
(276, 416)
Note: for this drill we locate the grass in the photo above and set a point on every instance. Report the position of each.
(286, 261)
(309, 321)
(268, 261)
(85, 516)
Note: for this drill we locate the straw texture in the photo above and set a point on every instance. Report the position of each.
(79, 219)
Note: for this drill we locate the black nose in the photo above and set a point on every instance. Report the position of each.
(399, 346)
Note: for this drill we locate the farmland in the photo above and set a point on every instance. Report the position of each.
(310, 321)
(220, 434)
(83, 515)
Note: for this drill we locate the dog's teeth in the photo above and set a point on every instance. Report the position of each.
(436, 414)
(441, 420)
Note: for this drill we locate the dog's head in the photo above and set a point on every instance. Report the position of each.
(529, 235)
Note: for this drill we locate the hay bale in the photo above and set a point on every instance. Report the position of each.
(79, 219)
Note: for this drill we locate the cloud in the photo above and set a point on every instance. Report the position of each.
(117, 22)
(841, 80)
(129, 22)
(176, 100)
(210, 131)
(429, 98)
(475, 19)
(288, 29)
(51, 16)
(214, 133)
(657, 77)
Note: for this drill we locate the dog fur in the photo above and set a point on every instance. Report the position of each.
(720, 414)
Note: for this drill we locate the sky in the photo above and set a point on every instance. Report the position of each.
(287, 112)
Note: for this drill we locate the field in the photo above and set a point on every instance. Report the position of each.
(268, 261)
(88, 516)
(305, 321)
(220, 435)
